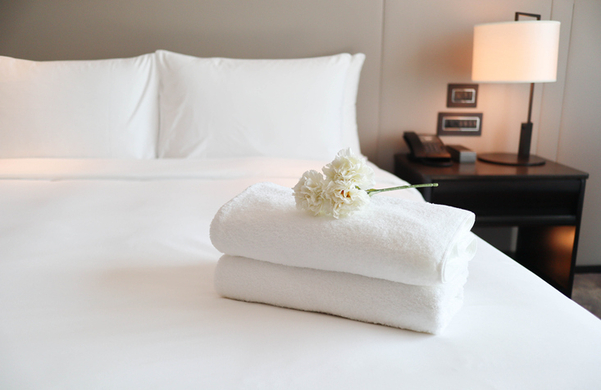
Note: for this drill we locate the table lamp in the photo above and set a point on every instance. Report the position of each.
(516, 52)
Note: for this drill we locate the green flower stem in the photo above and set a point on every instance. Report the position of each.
(375, 191)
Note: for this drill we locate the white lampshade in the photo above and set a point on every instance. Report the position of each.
(516, 52)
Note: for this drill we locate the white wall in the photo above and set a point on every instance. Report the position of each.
(427, 45)
(414, 49)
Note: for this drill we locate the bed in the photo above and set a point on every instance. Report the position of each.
(110, 176)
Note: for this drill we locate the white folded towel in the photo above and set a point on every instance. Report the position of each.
(394, 239)
(420, 308)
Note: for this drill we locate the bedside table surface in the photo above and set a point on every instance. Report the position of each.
(483, 170)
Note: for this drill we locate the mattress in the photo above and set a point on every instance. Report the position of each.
(106, 281)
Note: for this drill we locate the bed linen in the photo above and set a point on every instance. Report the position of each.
(106, 281)
(79, 109)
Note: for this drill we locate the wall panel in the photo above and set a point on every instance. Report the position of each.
(580, 132)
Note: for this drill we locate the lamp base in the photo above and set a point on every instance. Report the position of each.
(511, 159)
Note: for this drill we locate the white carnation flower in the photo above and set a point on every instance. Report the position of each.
(349, 167)
(346, 188)
(343, 198)
(308, 192)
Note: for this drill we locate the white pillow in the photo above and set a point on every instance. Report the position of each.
(218, 107)
(80, 109)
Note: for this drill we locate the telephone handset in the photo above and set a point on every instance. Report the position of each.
(427, 149)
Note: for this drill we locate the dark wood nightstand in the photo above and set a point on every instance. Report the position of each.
(543, 202)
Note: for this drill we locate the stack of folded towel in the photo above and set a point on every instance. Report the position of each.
(399, 262)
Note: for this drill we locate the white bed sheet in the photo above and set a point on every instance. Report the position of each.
(106, 281)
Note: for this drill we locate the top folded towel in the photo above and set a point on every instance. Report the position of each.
(394, 239)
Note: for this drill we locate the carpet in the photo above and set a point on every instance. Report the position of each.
(587, 292)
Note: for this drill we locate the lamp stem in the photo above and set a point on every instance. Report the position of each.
(530, 103)
(526, 131)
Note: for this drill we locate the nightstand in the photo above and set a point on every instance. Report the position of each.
(543, 202)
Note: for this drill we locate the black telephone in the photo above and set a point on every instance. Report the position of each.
(427, 149)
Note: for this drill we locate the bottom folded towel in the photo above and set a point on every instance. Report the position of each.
(426, 309)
